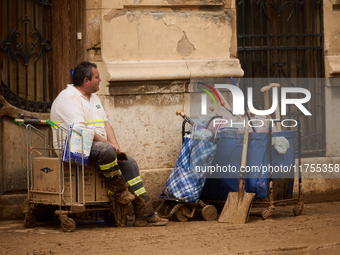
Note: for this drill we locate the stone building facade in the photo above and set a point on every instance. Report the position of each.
(147, 51)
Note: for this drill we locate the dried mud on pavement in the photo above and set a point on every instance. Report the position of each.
(316, 231)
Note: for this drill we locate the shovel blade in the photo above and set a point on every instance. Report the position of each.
(237, 207)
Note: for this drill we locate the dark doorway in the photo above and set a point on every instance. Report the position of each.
(282, 41)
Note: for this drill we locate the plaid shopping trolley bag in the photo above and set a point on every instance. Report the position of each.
(187, 178)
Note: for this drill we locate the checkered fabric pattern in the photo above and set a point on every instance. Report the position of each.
(184, 182)
(183, 159)
(202, 153)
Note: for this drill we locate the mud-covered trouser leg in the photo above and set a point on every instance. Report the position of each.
(105, 155)
(142, 204)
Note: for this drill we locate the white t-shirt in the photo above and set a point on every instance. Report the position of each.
(71, 106)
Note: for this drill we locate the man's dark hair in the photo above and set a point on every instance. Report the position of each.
(84, 69)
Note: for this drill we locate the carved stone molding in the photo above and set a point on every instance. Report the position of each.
(172, 70)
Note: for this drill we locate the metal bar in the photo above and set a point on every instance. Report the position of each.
(262, 37)
(8, 43)
(262, 51)
(43, 45)
(302, 35)
(27, 161)
(70, 163)
(61, 170)
(279, 38)
(258, 48)
(44, 192)
(305, 33)
(288, 52)
(306, 61)
(35, 62)
(51, 58)
(322, 80)
(59, 131)
(244, 40)
(277, 201)
(270, 193)
(270, 51)
(78, 183)
(30, 156)
(252, 38)
(82, 166)
(299, 158)
(26, 55)
(296, 37)
(17, 65)
(314, 100)
(183, 130)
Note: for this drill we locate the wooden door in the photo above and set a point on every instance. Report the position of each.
(39, 47)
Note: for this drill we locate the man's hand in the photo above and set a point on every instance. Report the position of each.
(111, 138)
(117, 148)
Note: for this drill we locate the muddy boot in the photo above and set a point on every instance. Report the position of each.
(124, 197)
(120, 197)
(153, 220)
(144, 213)
(118, 189)
(119, 212)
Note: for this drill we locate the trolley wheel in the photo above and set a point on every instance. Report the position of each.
(163, 209)
(181, 213)
(68, 224)
(298, 208)
(30, 220)
(209, 213)
(109, 218)
(167, 210)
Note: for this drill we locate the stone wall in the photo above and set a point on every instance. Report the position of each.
(147, 50)
(332, 71)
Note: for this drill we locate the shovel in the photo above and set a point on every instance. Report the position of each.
(237, 207)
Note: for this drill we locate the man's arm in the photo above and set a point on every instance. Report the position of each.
(111, 137)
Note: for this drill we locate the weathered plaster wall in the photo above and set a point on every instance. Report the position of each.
(148, 128)
(148, 49)
(331, 27)
(166, 34)
(332, 71)
(162, 30)
(146, 53)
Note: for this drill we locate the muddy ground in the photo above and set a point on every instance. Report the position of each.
(316, 231)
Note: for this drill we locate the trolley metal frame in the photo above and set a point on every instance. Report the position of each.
(171, 207)
(182, 210)
(65, 208)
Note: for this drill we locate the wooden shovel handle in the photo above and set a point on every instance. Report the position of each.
(244, 154)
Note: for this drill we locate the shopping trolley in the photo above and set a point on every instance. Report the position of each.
(181, 194)
(75, 191)
(271, 188)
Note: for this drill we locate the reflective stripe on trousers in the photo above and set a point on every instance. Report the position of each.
(111, 169)
(105, 155)
(137, 185)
